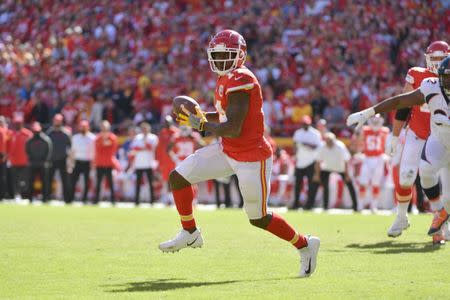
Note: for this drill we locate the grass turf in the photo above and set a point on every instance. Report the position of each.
(89, 252)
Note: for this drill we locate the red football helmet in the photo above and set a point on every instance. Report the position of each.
(435, 53)
(376, 122)
(226, 51)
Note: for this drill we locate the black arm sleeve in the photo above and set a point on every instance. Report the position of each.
(402, 114)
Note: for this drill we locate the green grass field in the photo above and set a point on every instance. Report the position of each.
(110, 253)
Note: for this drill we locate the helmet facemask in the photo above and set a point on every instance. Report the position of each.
(223, 60)
(433, 61)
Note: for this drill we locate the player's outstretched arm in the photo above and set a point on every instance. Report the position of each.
(397, 102)
(399, 121)
(400, 101)
(238, 103)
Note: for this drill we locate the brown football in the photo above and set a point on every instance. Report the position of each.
(188, 102)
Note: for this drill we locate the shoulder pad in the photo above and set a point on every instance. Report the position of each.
(240, 79)
(430, 87)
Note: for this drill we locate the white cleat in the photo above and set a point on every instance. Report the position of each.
(400, 224)
(182, 240)
(308, 256)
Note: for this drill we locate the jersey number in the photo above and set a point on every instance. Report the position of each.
(373, 143)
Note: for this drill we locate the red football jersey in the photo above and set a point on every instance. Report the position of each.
(251, 144)
(166, 136)
(374, 140)
(16, 147)
(184, 146)
(419, 120)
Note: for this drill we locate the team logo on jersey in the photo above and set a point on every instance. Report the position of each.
(221, 90)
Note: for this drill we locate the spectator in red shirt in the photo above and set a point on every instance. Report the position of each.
(17, 156)
(8, 191)
(3, 148)
(166, 135)
(105, 151)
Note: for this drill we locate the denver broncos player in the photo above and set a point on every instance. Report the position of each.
(243, 150)
(436, 153)
(372, 168)
(418, 119)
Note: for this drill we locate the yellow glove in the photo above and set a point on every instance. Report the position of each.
(197, 121)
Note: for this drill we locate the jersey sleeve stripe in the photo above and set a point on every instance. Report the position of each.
(440, 112)
(429, 96)
(409, 79)
(247, 86)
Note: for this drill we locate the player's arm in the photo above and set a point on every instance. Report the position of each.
(238, 103)
(397, 102)
(401, 115)
(212, 117)
(310, 145)
(320, 156)
(170, 146)
(410, 99)
(316, 176)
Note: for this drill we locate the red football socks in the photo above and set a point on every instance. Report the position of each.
(403, 194)
(183, 201)
(279, 227)
(362, 191)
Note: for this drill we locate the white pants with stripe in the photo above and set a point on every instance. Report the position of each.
(211, 162)
(410, 158)
(435, 156)
(372, 171)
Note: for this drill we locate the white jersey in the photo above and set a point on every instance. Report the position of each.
(83, 146)
(144, 147)
(307, 155)
(438, 104)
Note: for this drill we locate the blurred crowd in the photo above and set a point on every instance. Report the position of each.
(68, 67)
(123, 61)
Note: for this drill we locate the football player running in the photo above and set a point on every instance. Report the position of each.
(436, 153)
(243, 150)
(418, 119)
